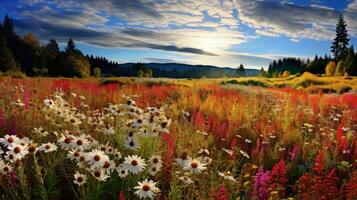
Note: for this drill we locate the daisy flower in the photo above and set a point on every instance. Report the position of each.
(100, 175)
(183, 161)
(146, 189)
(122, 172)
(65, 141)
(40, 131)
(80, 143)
(195, 166)
(47, 147)
(5, 168)
(153, 170)
(134, 164)
(155, 160)
(131, 143)
(75, 155)
(186, 180)
(17, 152)
(9, 140)
(96, 158)
(79, 179)
(226, 175)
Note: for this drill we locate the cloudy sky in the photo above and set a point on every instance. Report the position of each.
(216, 32)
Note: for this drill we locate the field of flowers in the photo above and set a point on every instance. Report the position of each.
(79, 139)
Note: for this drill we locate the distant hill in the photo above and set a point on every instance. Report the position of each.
(187, 67)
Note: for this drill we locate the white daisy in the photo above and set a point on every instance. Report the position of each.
(146, 189)
(226, 175)
(40, 131)
(195, 166)
(65, 141)
(79, 179)
(96, 158)
(131, 143)
(17, 152)
(5, 168)
(156, 161)
(134, 164)
(47, 147)
(122, 172)
(80, 143)
(9, 140)
(100, 175)
(186, 180)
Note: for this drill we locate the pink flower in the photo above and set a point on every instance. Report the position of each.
(261, 184)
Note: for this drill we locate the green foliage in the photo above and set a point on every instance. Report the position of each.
(97, 72)
(70, 65)
(140, 73)
(7, 61)
(339, 46)
(293, 65)
(241, 71)
(15, 74)
(350, 62)
(340, 69)
(317, 66)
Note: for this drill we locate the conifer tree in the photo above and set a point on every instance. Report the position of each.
(339, 46)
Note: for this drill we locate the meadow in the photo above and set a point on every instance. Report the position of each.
(128, 138)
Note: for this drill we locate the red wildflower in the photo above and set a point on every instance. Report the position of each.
(278, 178)
(351, 187)
(320, 185)
(222, 193)
(122, 196)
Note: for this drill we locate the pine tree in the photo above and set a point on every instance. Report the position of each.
(350, 62)
(339, 46)
(71, 47)
(7, 61)
(241, 70)
(8, 25)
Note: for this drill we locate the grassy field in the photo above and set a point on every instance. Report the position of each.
(127, 138)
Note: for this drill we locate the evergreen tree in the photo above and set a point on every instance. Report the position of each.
(241, 70)
(7, 61)
(52, 46)
(339, 46)
(350, 62)
(71, 47)
(8, 26)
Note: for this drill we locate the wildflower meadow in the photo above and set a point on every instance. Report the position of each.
(182, 139)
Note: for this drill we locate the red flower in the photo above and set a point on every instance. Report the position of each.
(351, 187)
(278, 178)
(222, 193)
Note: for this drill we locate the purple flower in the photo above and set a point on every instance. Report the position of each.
(261, 184)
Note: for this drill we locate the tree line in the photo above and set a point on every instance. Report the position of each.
(26, 54)
(343, 62)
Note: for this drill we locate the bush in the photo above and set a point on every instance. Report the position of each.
(286, 74)
(15, 74)
(97, 72)
(330, 68)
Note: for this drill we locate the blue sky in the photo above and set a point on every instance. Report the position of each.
(216, 32)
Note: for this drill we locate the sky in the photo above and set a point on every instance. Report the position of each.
(224, 33)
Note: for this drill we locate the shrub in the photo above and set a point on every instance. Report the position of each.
(330, 68)
(286, 74)
(97, 72)
(15, 74)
